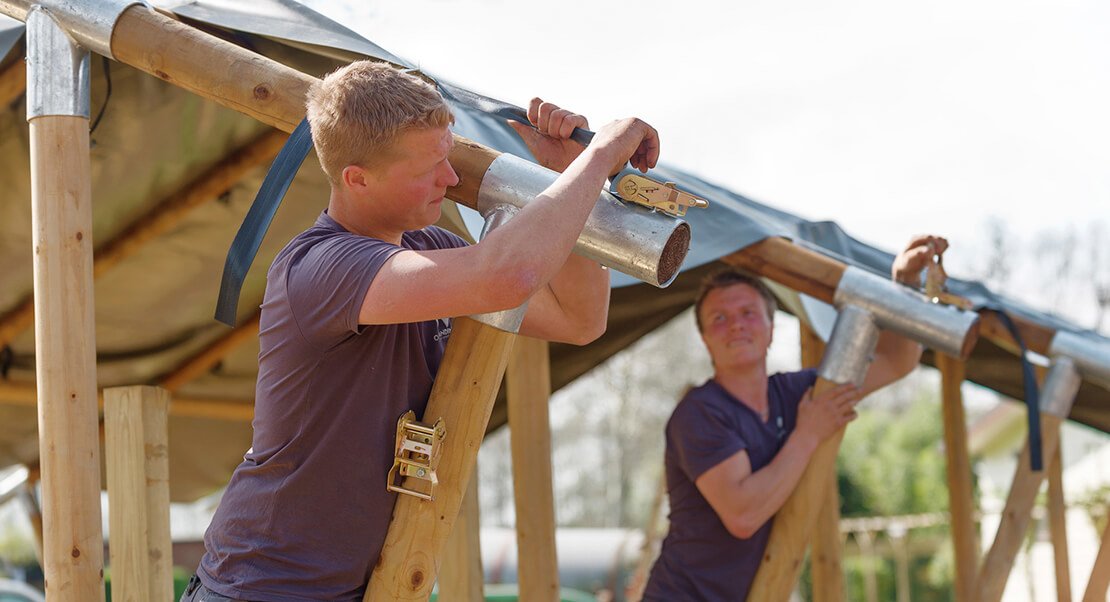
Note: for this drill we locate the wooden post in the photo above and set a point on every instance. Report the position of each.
(528, 382)
(461, 578)
(1016, 516)
(825, 557)
(866, 542)
(1099, 582)
(69, 447)
(463, 395)
(135, 445)
(1057, 524)
(901, 544)
(965, 538)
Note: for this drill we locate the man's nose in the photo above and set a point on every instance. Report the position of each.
(452, 177)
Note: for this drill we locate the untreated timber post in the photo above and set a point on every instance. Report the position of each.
(461, 578)
(1074, 356)
(135, 445)
(825, 557)
(528, 384)
(866, 302)
(1099, 582)
(462, 396)
(61, 199)
(1058, 527)
(965, 539)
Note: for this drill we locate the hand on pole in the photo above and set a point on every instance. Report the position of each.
(549, 140)
(820, 416)
(917, 255)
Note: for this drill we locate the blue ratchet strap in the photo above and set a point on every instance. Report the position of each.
(257, 222)
(1032, 395)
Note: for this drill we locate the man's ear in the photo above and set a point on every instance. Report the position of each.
(355, 177)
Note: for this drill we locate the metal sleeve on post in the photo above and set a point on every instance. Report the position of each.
(851, 346)
(1060, 387)
(900, 309)
(89, 22)
(1091, 357)
(508, 320)
(57, 69)
(632, 239)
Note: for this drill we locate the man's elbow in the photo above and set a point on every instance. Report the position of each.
(742, 526)
(511, 286)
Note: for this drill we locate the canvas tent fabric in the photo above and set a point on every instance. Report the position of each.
(154, 309)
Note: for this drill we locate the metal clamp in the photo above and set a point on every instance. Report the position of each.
(657, 195)
(418, 449)
(935, 289)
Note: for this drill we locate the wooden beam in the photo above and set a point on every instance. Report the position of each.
(961, 504)
(136, 443)
(796, 520)
(13, 82)
(1015, 518)
(160, 219)
(461, 578)
(69, 449)
(463, 395)
(1058, 527)
(234, 410)
(784, 262)
(825, 557)
(1037, 338)
(1099, 582)
(203, 361)
(528, 382)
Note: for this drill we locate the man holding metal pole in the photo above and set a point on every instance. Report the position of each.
(356, 318)
(738, 445)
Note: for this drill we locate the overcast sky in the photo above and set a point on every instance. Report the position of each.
(889, 118)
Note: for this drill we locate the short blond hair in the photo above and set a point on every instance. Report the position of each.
(357, 111)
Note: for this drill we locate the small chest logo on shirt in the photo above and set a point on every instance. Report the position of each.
(444, 329)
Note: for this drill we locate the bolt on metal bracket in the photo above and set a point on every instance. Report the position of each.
(418, 450)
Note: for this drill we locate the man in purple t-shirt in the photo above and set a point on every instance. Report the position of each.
(737, 445)
(356, 317)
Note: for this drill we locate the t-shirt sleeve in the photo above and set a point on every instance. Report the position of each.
(795, 384)
(702, 437)
(327, 285)
(440, 238)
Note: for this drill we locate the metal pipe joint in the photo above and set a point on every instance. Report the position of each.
(508, 320)
(851, 346)
(88, 22)
(944, 328)
(1091, 356)
(642, 243)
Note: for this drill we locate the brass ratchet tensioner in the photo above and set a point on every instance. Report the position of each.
(935, 278)
(657, 195)
(417, 455)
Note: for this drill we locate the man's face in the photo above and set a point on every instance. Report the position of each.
(408, 189)
(735, 327)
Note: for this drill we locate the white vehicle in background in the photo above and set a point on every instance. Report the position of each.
(18, 591)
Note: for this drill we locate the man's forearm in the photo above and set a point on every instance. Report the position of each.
(763, 493)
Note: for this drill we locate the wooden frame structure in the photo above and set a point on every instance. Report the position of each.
(274, 94)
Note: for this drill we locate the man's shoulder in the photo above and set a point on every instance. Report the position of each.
(699, 401)
(792, 384)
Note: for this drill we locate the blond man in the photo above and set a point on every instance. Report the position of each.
(356, 317)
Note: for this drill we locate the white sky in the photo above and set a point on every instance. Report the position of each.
(889, 118)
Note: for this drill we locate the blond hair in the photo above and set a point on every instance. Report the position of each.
(357, 112)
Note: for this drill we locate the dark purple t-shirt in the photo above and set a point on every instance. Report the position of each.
(305, 515)
(700, 560)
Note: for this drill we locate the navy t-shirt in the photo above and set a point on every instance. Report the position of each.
(700, 559)
(306, 513)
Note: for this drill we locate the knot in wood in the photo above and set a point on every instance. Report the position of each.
(262, 92)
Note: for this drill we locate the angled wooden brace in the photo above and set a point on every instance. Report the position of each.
(1073, 358)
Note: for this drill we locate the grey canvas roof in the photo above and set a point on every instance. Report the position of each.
(154, 309)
